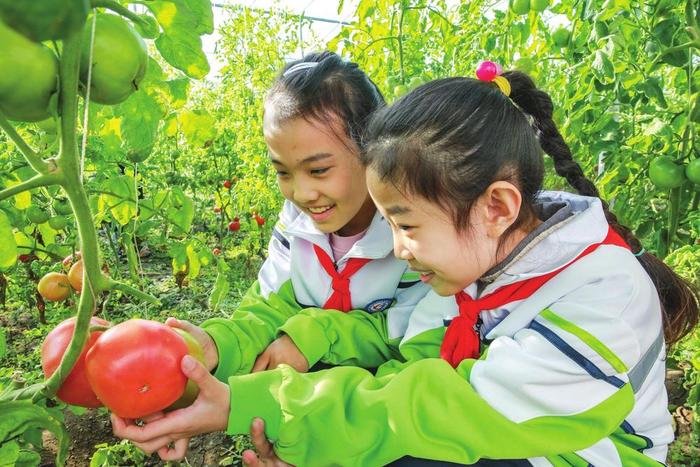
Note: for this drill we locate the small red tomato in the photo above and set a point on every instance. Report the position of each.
(217, 209)
(75, 389)
(216, 251)
(227, 184)
(25, 258)
(235, 225)
(134, 368)
(259, 220)
(68, 260)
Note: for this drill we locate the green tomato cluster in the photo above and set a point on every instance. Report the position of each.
(667, 174)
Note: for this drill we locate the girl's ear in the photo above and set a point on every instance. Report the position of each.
(501, 205)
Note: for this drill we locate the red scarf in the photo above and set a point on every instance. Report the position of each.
(340, 298)
(461, 340)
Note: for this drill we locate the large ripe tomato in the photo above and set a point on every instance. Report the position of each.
(119, 59)
(191, 389)
(665, 174)
(75, 389)
(54, 287)
(28, 79)
(134, 368)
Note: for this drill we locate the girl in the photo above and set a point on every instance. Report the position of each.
(330, 251)
(556, 355)
(330, 248)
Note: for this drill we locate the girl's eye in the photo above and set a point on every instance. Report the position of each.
(281, 174)
(404, 227)
(319, 171)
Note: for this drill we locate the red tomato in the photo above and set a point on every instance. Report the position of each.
(134, 368)
(227, 184)
(217, 209)
(234, 226)
(259, 220)
(75, 389)
(216, 251)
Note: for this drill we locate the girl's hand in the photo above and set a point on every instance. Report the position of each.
(208, 413)
(211, 354)
(266, 455)
(282, 350)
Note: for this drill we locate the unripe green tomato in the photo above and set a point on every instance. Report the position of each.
(561, 37)
(692, 171)
(62, 207)
(665, 173)
(44, 20)
(29, 77)
(191, 389)
(58, 222)
(521, 7)
(36, 215)
(400, 90)
(415, 82)
(119, 59)
(539, 5)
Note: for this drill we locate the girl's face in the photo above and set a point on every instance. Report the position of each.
(425, 236)
(320, 172)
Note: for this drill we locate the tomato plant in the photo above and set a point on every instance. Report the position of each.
(134, 367)
(54, 287)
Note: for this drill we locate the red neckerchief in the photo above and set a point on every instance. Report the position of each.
(340, 298)
(461, 340)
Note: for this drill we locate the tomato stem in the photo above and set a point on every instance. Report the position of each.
(34, 159)
(127, 289)
(119, 9)
(69, 164)
(34, 182)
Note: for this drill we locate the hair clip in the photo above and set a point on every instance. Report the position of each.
(491, 72)
(300, 66)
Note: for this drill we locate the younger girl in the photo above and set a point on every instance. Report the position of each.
(556, 355)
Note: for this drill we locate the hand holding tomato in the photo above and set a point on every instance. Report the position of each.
(282, 350)
(207, 414)
(211, 353)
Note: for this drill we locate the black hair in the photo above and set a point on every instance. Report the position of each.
(449, 139)
(333, 87)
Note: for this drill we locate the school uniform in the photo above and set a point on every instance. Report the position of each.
(571, 369)
(352, 311)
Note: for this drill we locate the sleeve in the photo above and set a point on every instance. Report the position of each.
(356, 338)
(267, 304)
(533, 405)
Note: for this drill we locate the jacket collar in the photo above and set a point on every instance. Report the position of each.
(376, 243)
(577, 223)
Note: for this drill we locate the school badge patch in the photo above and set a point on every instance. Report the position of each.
(379, 305)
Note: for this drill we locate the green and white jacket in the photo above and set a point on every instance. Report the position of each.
(292, 286)
(573, 375)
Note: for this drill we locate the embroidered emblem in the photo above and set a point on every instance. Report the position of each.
(379, 305)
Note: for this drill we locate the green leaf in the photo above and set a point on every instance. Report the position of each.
(180, 210)
(179, 89)
(120, 198)
(183, 21)
(8, 247)
(603, 68)
(149, 28)
(9, 453)
(221, 286)
(198, 126)
(141, 115)
(28, 459)
(652, 88)
(22, 415)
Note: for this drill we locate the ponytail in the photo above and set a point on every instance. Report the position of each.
(679, 300)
